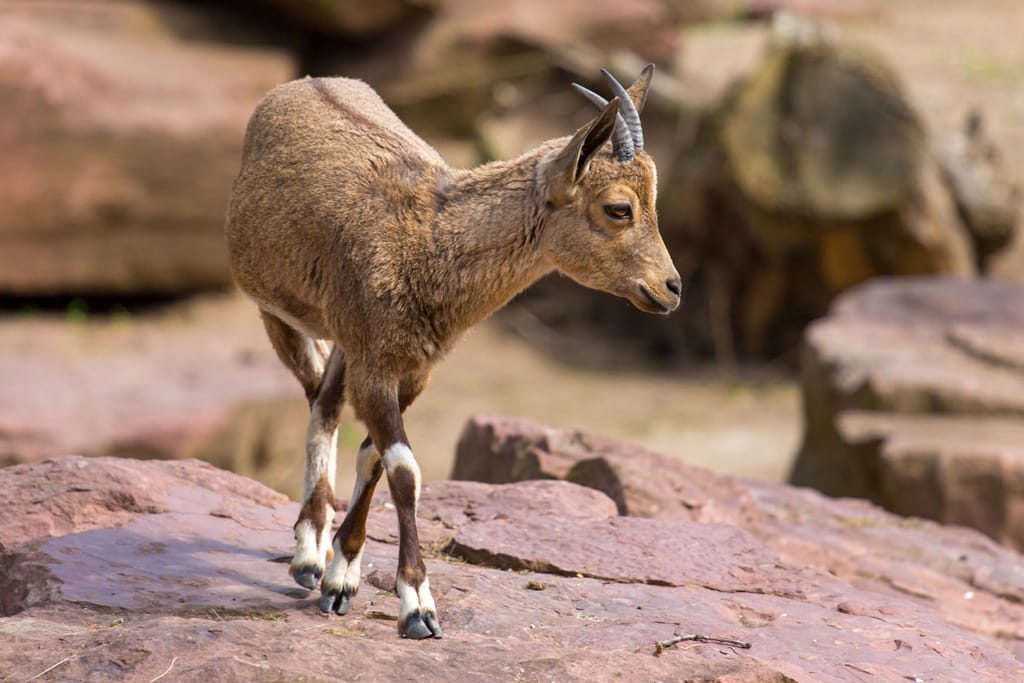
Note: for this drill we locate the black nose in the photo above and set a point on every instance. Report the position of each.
(675, 286)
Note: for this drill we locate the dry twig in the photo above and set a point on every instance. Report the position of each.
(258, 665)
(663, 645)
(50, 668)
(173, 660)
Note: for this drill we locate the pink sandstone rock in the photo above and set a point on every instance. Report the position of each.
(89, 388)
(967, 579)
(914, 399)
(122, 131)
(177, 569)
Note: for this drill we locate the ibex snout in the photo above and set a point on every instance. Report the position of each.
(662, 295)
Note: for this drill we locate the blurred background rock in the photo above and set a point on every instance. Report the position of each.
(804, 147)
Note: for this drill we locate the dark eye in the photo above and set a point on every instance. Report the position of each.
(620, 212)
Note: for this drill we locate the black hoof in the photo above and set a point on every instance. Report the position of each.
(337, 602)
(420, 625)
(308, 576)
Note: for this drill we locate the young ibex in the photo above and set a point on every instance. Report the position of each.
(347, 228)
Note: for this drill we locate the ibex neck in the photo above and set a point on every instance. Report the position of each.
(490, 219)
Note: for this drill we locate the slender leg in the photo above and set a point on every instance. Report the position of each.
(313, 528)
(380, 405)
(323, 379)
(341, 583)
(417, 614)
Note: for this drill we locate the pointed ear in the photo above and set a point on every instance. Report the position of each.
(638, 91)
(571, 163)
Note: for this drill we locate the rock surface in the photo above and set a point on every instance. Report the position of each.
(914, 398)
(122, 132)
(116, 568)
(968, 580)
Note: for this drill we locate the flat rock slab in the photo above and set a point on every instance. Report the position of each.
(968, 579)
(914, 399)
(117, 569)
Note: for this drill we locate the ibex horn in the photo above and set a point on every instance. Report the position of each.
(628, 110)
(622, 141)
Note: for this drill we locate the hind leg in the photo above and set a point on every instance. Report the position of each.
(341, 583)
(304, 356)
(324, 384)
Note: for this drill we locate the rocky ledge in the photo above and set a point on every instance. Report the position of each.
(914, 399)
(118, 569)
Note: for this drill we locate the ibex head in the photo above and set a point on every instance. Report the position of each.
(602, 230)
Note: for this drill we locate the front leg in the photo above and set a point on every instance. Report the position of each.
(341, 582)
(377, 403)
(417, 614)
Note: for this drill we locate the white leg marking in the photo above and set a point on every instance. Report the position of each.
(325, 536)
(306, 552)
(332, 459)
(318, 351)
(321, 456)
(413, 599)
(365, 461)
(343, 574)
(399, 455)
(321, 441)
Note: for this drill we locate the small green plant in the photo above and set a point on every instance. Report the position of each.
(77, 311)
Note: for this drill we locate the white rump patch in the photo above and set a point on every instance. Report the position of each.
(365, 461)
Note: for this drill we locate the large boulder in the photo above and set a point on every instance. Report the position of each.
(914, 398)
(115, 568)
(122, 129)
